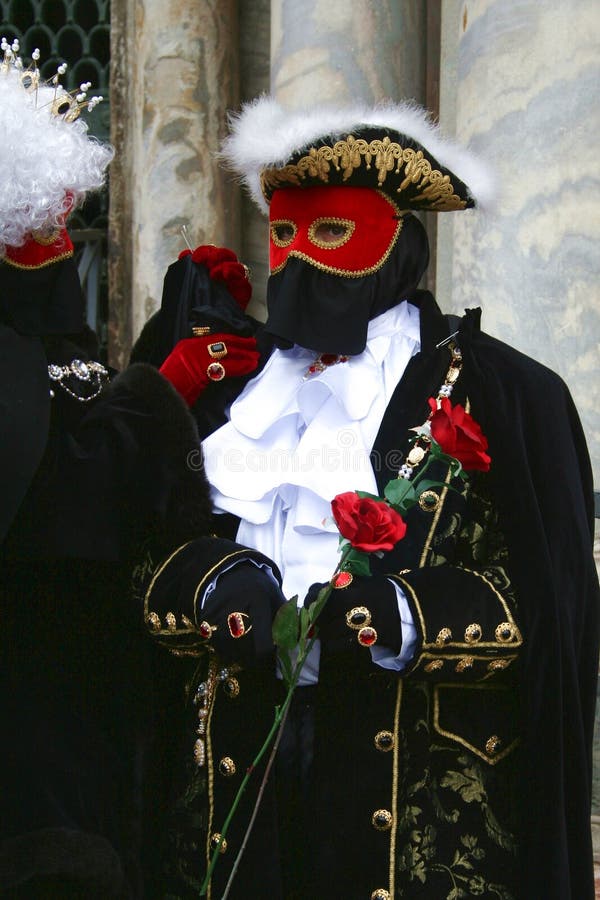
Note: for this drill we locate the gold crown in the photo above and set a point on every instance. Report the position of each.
(66, 105)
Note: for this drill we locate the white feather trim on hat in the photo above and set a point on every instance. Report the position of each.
(265, 135)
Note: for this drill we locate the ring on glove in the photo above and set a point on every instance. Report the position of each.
(217, 350)
(358, 617)
(367, 636)
(236, 624)
(216, 371)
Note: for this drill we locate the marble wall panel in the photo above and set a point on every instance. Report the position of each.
(335, 50)
(527, 78)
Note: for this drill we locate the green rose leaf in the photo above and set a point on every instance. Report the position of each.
(316, 607)
(400, 494)
(357, 562)
(286, 625)
(285, 661)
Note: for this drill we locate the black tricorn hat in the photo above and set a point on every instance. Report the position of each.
(394, 148)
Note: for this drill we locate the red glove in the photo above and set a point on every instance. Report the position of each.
(222, 265)
(195, 362)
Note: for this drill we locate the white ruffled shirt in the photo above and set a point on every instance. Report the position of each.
(295, 441)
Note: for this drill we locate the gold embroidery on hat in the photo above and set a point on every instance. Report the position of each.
(436, 191)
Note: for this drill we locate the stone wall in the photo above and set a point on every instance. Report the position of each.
(174, 76)
(520, 82)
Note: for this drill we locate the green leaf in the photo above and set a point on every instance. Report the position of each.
(316, 607)
(428, 484)
(369, 496)
(304, 627)
(285, 661)
(400, 493)
(286, 625)
(358, 563)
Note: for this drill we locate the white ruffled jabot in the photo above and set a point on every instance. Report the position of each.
(292, 444)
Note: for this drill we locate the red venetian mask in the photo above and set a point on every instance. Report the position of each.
(342, 230)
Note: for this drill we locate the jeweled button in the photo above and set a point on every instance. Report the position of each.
(153, 621)
(429, 501)
(214, 842)
(384, 741)
(434, 665)
(415, 456)
(381, 894)
(505, 632)
(227, 767)
(342, 580)
(205, 630)
(473, 633)
(359, 618)
(382, 819)
(80, 370)
(444, 636)
(231, 686)
(367, 636)
(496, 665)
(493, 745)
(466, 662)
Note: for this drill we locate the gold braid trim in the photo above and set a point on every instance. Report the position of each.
(434, 190)
(211, 676)
(47, 262)
(396, 761)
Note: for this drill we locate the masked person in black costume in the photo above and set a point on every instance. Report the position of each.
(452, 756)
(93, 467)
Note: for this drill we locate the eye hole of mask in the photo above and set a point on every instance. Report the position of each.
(330, 233)
(283, 232)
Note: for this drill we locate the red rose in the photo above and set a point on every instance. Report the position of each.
(459, 435)
(369, 525)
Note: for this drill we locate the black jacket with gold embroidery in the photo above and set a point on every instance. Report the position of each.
(471, 770)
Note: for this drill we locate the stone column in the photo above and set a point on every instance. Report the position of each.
(255, 63)
(526, 89)
(174, 76)
(339, 51)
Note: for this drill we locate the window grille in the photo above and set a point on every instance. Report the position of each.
(76, 32)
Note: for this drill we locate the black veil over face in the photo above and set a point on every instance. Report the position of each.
(331, 313)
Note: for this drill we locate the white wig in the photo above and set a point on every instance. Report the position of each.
(47, 165)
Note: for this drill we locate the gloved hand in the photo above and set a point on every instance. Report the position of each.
(223, 265)
(242, 606)
(195, 362)
(368, 602)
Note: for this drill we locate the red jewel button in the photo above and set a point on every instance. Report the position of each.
(236, 625)
(204, 630)
(367, 636)
(342, 580)
(328, 359)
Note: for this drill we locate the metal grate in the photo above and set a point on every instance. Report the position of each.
(76, 32)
